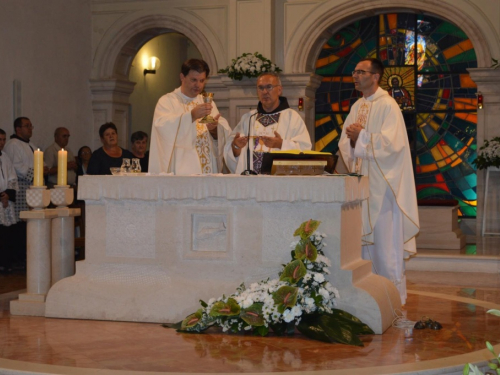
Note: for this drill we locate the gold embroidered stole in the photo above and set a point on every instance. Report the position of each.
(203, 144)
(362, 119)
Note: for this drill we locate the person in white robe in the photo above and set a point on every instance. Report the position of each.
(273, 126)
(180, 143)
(374, 143)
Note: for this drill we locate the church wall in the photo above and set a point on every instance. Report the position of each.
(46, 47)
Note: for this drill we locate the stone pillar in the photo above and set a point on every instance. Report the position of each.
(488, 83)
(110, 102)
(38, 254)
(63, 233)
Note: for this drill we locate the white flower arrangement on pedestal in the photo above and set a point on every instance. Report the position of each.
(249, 65)
(489, 155)
(302, 298)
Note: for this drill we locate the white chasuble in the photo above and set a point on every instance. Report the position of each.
(180, 145)
(290, 127)
(383, 146)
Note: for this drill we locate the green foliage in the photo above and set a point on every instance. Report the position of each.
(293, 272)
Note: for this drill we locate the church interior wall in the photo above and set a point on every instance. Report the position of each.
(46, 47)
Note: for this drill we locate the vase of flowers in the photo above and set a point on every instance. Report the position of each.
(249, 65)
(489, 155)
(300, 299)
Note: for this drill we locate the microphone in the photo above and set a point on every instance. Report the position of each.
(248, 171)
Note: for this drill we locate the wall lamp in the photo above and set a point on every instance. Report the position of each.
(153, 65)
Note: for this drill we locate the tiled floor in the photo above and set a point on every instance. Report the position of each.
(458, 300)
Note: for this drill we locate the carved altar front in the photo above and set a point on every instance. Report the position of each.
(156, 245)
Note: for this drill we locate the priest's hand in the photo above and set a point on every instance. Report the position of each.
(212, 126)
(273, 142)
(352, 132)
(201, 110)
(238, 143)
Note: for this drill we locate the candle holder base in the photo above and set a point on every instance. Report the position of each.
(61, 195)
(38, 197)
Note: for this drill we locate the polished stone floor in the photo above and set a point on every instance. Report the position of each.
(459, 301)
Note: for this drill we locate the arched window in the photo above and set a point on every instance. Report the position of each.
(426, 62)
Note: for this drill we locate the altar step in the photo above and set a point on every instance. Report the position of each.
(451, 261)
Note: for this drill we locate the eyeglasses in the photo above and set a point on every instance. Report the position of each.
(267, 87)
(28, 126)
(361, 72)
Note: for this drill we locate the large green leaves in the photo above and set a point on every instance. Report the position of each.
(284, 297)
(229, 308)
(293, 272)
(334, 327)
(306, 250)
(307, 228)
(253, 315)
(192, 321)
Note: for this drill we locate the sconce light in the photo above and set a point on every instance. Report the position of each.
(479, 100)
(153, 65)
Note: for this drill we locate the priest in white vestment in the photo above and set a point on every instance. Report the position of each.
(180, 143)
(374, 143)
(273, 126)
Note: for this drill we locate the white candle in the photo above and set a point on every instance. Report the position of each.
(62, 167)
(38, 168)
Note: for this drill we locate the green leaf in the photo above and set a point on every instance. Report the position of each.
(172, 325)
(493, 312)
(191, 321)
(325, 327)
(203, 303)
(306, 250)
(293, 272)
(307, 228)
(356, 325)
(284, 297)
(229, 308)
(261, 331)
(490, 348)
(492, 366)
(253, 315)
(466, 370)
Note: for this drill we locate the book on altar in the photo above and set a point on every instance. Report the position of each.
(296, 162)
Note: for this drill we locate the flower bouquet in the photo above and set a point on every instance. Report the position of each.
(300, 299)
(249, 65)
(489, 155)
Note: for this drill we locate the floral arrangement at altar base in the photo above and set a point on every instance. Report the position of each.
(249, 65)
(300, 299)
(489, 155)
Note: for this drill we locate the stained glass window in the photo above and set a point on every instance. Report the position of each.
(426, 62)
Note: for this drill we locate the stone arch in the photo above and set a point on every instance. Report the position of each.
(110, 86)
(306, 44)
(116, 51)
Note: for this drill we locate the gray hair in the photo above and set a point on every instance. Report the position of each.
(272, 74)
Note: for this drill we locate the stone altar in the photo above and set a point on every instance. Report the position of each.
(156, 245)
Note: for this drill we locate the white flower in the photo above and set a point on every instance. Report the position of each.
(324, 293)
(318, 277)
(296, 311)
(288, 316)
(247, 303)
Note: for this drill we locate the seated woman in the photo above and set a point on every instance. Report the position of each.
(84, 154)
(110, 154)
(139, 142)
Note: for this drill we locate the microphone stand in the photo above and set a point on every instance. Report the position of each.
(248, 171)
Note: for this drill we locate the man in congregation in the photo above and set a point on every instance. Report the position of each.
(50, 158)
(273, 126)
(20, 150)
(374, 143)
(180, 143)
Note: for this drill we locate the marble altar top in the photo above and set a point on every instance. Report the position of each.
(261, 188)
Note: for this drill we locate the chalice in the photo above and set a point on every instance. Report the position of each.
(207, 98)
